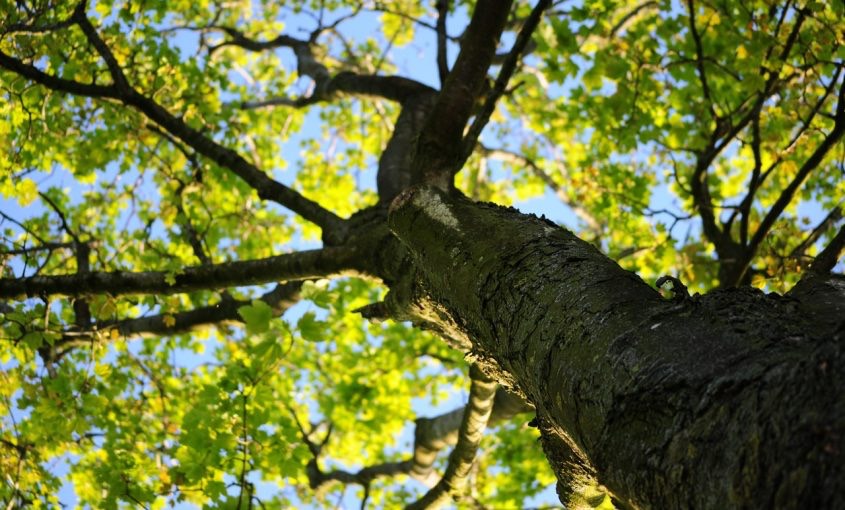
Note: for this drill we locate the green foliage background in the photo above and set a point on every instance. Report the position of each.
(606, 120)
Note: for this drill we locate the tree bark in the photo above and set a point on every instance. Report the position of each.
(728, 400)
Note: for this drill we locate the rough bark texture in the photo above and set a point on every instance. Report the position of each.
(729, 400)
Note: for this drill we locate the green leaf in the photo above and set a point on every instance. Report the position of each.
(317, 292)
(33, 339)
(310, 328)
(256, 316)
(269, 349)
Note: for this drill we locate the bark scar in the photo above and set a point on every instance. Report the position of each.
(401, 199)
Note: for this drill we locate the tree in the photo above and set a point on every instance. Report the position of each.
(174, 122)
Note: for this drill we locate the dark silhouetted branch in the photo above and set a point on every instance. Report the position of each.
(442, 47)
(279, 299)
(292, 266)
(439, 149)
(699, 60)
(829, 256)
(267, 188)
(514, 158)
(505, 73)
(832, 217)
(809, 165)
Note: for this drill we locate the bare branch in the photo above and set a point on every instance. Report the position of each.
(363, 476)
(325, 86)
(829, 256)
(82, 253)
(461, 459)
(832, 217)
(279, 299)
(378, 7)
(41, 247)
(239, 39)
(630, 15)
(301, 265)
(505, 73)
(755, 182)
(300, 102)
(511, 157)
(306, 62)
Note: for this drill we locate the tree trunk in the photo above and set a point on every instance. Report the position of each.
(729, 400)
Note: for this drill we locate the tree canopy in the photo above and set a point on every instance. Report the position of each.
(195, 245)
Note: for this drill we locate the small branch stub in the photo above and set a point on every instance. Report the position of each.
(679, 290)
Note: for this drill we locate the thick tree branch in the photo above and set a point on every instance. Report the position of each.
(306, 63)
(431, 435)
(394, 88)
(362, 477)
(116, 72)
(700, 190)
(395, 166)
(439, 149)
(461, 459)
(505, 73)
(29, 28)
(292, 266)
(240, 40)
